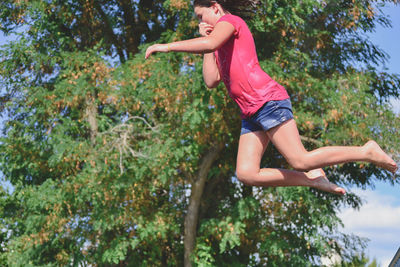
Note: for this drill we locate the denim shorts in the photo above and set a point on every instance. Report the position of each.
(270, 115)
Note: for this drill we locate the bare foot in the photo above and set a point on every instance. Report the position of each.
(319, 181)
(378, 157)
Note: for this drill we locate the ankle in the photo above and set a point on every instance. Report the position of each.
(313, 175)
(367, 151)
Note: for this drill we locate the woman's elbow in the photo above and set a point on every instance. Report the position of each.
(212, 84)
(210, 45)
(212, 80)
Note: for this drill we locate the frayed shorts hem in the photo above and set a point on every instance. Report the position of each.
(270, 115)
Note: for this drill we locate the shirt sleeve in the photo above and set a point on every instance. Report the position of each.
(232, 20)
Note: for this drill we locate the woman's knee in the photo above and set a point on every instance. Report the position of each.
(246, 174)
(300, 162)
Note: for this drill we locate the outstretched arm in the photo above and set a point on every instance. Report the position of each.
(206, 44)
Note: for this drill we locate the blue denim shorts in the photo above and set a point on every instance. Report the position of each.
(270, 115)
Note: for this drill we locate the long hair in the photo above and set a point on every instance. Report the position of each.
(242, 8)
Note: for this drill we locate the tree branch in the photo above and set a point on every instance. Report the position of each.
(195, 199)
(122, 135)
(132, 34)
(91, 115)
(311, 140)
(113, 38)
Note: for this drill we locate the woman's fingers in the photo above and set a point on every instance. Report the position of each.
(205, 29)
(148, 52)
(156, 48)
(204, 24)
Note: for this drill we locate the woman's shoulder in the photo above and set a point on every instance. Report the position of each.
(232, 18)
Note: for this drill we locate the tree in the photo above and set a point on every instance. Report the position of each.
(116, 160)
(359, 261)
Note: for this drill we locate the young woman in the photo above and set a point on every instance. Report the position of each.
(230, 55)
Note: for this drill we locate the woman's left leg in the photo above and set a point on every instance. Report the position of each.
(286, 139)
(251, 149)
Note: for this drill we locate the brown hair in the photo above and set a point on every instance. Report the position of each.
(241, 8)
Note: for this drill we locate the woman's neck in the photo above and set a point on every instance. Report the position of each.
(222, 11)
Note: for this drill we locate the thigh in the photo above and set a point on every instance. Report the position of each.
(252, 146)
(286, 139)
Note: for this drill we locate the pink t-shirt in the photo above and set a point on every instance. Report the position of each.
(248, 85)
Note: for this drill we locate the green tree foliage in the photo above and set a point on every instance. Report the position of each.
(118, 161)
(358, 261)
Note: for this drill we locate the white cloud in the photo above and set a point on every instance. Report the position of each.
(378, 220)
(379, 211)
(395, 105)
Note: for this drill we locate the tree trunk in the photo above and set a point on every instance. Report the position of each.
(91, 114)
(194, 201)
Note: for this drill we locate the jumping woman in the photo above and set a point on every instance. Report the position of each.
(230, 55)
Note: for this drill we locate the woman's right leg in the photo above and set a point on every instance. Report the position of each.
(287, 140)
(251, 149)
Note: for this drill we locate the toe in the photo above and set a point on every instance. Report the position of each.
(340, 191)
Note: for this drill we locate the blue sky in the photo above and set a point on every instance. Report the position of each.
(379, 218)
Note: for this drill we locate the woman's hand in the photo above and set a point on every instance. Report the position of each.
(156, 48)
(205, 29)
